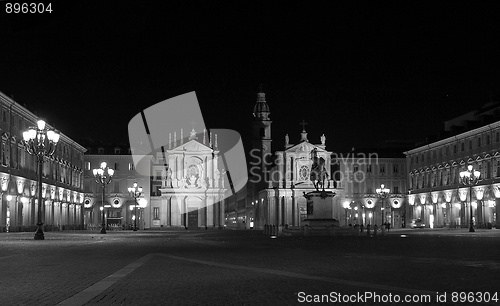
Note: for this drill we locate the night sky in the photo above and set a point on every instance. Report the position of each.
(360, 74)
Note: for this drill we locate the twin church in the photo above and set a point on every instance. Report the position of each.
(195, 191)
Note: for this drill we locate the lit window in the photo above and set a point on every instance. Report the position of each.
(130, 166)
(87, 165)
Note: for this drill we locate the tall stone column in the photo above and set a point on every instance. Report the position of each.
(210, 173)
(172, 166)
(210, 211)
(280, 162)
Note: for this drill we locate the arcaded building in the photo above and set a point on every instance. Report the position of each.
(62, 177)
(436, 194)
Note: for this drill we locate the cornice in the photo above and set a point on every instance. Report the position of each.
(455, 138)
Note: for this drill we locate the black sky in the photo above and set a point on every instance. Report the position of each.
(359, 73)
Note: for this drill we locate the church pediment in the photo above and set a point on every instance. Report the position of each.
(191, 146)
(303, 147)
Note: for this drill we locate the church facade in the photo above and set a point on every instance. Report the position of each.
(276, 190)
(192, 190)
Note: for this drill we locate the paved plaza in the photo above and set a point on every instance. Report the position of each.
(228, 267)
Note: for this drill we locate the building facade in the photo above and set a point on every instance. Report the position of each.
(361, 174)
(119, 205)
(277, 183)
(62, 177)
(189, 185)
(436, 194)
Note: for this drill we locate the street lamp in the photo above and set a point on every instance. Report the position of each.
(382, 193)
(103, 176)
(470, 177)
(136, 192)
(40, 142)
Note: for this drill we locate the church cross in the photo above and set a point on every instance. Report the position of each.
(303, 125)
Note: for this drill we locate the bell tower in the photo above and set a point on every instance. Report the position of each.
(261, 135)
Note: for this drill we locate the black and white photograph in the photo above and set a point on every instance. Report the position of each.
(249, 153)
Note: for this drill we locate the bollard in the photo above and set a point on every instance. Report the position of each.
(368, 230)
(375, 230)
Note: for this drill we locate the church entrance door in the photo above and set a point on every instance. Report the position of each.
(193, 219)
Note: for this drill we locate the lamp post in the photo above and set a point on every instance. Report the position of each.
(470, 177)
(103, 176)
(383, 193)
(40, 142)
(136, 192)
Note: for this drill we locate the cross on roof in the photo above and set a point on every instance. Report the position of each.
(303, 125)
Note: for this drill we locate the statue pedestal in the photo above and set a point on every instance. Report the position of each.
(320, 210)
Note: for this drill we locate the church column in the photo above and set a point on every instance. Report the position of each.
(295, 208)
(222, 205)
(210, 211)
(178, 169)
(172, 166)
(210, 174)
(280, 162)
(203, 222)
(288, 209)
(180, 207)
(169, 211)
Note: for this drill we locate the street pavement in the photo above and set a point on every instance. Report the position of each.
(238, 267)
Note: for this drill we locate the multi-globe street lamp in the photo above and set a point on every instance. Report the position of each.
(469, 178)
(136, 192)
(40, 142)
(383, 193)
(103, 176)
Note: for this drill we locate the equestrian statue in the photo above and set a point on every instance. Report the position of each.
(318, 171)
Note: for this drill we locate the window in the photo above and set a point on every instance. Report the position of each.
(395, 169)
(369, 190)
(100, 150)
(463, 146)
(470, 144)
(355, 168)
(117, 166)
(87, 165)
(158, 175)
(382, 169)
(156, 213)
(130, 166)
(455, 149)
(395, 190)
(369, 168)
(487, 140)
(116, 186)
(479, 142)
(117, 150)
